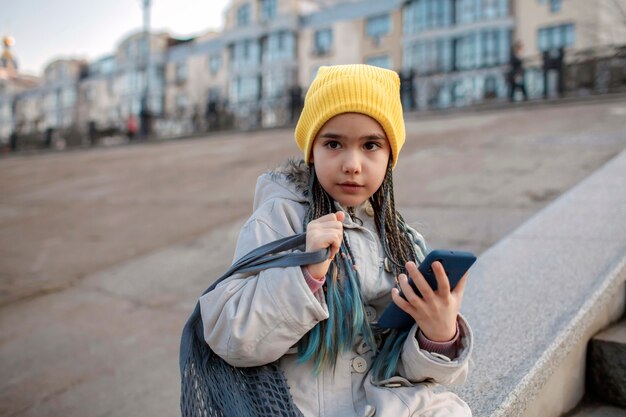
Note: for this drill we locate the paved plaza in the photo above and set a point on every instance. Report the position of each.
(103, 252)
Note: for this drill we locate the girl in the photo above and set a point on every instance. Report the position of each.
(320, 320)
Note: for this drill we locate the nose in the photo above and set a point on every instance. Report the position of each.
(352, 162)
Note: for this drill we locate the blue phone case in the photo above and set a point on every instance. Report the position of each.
(455, 263)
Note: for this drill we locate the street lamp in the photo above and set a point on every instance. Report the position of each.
(145, 116)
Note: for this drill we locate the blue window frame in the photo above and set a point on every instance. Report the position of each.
(243, 15)
(215, 62)
(420, 15)
(323, 41)
(377, 26)
(555, 5)
(554, 37)
(181, 72)
(279, 46)
(268, 10)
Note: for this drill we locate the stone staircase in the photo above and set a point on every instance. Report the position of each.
(606, 374)
(539, 297)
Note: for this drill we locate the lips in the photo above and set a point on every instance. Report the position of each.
(350, 187)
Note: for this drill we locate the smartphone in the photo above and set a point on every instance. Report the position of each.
(455, 263)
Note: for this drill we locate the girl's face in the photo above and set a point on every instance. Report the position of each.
(350, 154)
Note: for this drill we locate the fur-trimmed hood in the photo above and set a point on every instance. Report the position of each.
(289, 180)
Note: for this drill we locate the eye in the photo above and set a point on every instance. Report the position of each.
(371, 146)
(332, 144)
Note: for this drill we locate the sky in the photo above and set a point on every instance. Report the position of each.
(89, 29)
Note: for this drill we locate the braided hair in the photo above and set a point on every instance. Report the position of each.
(347, 320)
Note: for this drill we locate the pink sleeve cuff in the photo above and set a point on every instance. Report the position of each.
(448, 349)
(314, 284)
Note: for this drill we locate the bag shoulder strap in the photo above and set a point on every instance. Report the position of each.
(270, 255)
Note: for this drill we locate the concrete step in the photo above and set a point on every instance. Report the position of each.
(595, 409)
(606, 365)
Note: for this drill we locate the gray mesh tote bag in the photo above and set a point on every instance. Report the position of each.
(210, 387)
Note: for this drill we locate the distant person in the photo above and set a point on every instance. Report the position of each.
(13, 141)
(131, 127)
(212, 114)
(516, 72)
(295, 103)
(195, 120)
(406, 89)
(91, 132)
(318, 322)
(47, 137)
(145, 119)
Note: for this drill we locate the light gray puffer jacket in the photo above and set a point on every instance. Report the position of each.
(254, 320)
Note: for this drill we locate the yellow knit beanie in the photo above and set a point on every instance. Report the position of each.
(364, 89)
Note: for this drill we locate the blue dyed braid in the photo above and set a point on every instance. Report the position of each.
(347, 320)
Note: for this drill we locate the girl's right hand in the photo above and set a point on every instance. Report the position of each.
(322, 233)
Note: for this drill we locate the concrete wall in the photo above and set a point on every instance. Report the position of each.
(538, 296)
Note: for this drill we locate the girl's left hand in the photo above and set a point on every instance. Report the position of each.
(436, 311)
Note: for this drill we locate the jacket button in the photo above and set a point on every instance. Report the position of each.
(387, 265)
(359, 364)
(370, 313)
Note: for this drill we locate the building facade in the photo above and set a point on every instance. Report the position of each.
(261, 40)
(97, 97)
(582, 30)
(458, 50)
(12, 84)
(449, 53)
(195, 84)
(59, 93)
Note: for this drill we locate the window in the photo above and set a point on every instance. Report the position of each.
(381, 61)
(554, 37)
(420, 15)
(182, 102)
(435, 12)
(130, 50)
(378, 26)
(88, 94)
(323, 41)
(490, 47)
(466, 56)
(432, 56)
(104, 66)
(268, 10)
(409, 18)
(143, 46)
(466, 10)
(495, 8)
(181, 72)
(215, 62)
(275, 84)
(111, 87)
(245, 53)
(278, 46)
(555, 5)
(68, 97)
(243, 15)
(246, 89)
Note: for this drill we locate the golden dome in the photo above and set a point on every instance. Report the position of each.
(8, 41)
